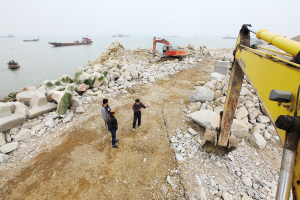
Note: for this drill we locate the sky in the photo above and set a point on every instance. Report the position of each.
(146, 17)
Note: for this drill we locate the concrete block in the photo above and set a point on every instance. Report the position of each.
(9, 147)
(4, 110)
(26, 96)
(11, 121)
(221, 70)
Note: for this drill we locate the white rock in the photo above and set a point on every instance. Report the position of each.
(9, 147)
(151, 79)
(23, 134)
(13, 131)
(202, 94)
(246, 181)
(179, 158)
(7, 138)
(206, 118)
(272, 130)
(239, 128)
(68, 117)
(79, 109)
(253, 113)
(227, 196)
(245, 92)
(2, 139)
(128, 84)
(49, 122)
(263, 119)
(267, 135)
(192, 131)
(38, 127)
(257, 140)
(31, 124)
(3, 157)
(216, 76)
(241, 113)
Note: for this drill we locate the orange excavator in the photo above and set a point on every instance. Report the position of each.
(168, 51)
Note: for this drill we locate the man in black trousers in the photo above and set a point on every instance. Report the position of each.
(137, 109)
(112, 124)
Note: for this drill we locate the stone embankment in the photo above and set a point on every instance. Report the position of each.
(34, 115)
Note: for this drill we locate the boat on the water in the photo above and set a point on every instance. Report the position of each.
(120, 35)
(34, 40)
(84, 41)
(13, 65)
(8, 36)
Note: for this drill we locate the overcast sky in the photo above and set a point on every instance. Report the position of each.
(146, 18)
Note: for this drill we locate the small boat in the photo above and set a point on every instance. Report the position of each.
(8, 36)
(84, 41)
(34, 40)
(13, 65)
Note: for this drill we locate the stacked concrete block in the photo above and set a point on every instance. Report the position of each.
(222, 67)
(39, 105)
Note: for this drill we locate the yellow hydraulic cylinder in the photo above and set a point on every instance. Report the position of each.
(287, 45)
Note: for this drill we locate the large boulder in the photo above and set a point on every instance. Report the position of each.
(239, 128)
(202, 94)
(39, 105)
(9, 120)
(191, 46)
(9, 147)
(257, 140)
(27, 95)
(241, 113)
(206, 118)
(23, 134)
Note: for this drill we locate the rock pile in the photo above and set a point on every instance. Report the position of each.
(249, 178)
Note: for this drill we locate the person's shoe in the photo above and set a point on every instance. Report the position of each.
(115, 146)
(140, 127)
(117, 141)
(133, 129)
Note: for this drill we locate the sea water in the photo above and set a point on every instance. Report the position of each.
(40, 61)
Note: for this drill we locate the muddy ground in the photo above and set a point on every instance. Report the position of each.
(81, 164)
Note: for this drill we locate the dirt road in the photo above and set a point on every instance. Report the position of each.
(81, 164)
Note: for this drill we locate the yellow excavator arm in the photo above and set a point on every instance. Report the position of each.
(275, 76)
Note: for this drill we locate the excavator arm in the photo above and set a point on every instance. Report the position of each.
(275, 76)
(159, 40)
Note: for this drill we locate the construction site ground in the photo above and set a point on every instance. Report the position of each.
(81, 164)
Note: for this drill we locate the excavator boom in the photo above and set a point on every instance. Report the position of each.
(276, 78)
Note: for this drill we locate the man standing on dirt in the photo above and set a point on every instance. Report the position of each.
(112, 124)
(137, 113)
(105, 110)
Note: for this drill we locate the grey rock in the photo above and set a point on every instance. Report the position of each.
(3, 157)
(239, 128)
(9, 147)
(257, 140)
(202, 94)
(206, 118)
(31, 124)
(23, 134)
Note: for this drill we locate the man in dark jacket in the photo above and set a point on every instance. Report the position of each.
(112, 124)
(105, 110)
(137, 113)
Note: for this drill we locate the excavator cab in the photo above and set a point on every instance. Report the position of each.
(167, 49)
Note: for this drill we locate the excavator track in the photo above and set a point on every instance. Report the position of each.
(165, 58)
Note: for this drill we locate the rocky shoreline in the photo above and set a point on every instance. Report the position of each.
(39, 115)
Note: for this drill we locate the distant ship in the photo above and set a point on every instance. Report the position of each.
(8, 36)
(229, 37)
(84, 41)
(34, 40)
(120, 35)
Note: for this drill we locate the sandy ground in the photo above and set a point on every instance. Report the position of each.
(81, 164)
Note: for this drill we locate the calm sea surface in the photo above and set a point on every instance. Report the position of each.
(40, 61)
